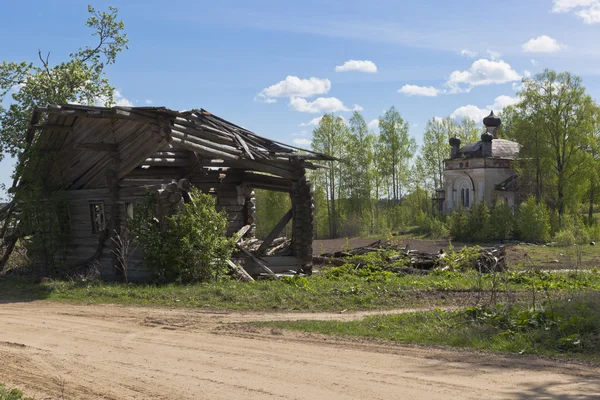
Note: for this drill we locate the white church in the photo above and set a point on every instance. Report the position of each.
(480, 171)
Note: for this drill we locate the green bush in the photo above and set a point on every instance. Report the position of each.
(565, 238)
(459, 224)
(11, 394)
(479, 222)
(533, 221)
(190, 246)
(502, 221)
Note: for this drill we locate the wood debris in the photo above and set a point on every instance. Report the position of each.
(489, 259)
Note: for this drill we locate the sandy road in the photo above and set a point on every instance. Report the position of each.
(57, 351)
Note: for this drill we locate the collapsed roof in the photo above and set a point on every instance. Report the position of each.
(83, 141)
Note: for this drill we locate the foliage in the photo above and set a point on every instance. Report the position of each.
(270, 207)
(80, 79)
(555, 122)
(190, 247)
(459, 224)
(533, 221)
(479, 222)
(502, 221)
(44, 219)
(398, 148)
(12, 394)
(559, 328)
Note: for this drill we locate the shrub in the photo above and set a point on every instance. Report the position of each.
(190, 247)
(502, 221)
(565, 238)
(479, 222)
(459, 224)
(533, 221)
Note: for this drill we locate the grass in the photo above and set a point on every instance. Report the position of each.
(525, 256)
(333, 291)
(11, 394)
(570, 328)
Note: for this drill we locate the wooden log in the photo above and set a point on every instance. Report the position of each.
(203, 142)
(96, 146)
(257, 261)
(239, 272)
(242, 232)
(275, 232)
(203, 150)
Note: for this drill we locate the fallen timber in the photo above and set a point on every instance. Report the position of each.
(489, 259)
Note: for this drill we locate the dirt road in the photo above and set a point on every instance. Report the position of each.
(56, 351)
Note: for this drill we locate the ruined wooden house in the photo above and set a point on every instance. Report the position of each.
(104, 160)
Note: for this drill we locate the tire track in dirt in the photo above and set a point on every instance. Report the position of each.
(115, 352)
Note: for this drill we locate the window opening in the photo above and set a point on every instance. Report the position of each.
(97, 217)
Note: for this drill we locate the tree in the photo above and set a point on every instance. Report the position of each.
(398, 148)
(80, 79)
(360, 155)
(467, 131)
(554, 123)
(328, 138)
(436, 149)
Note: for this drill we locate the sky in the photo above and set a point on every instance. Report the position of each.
(275, 67)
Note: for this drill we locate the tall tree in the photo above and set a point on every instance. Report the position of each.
(79, 79)
(557, 109)
(467, 131)
(436, 149)
(328, 138)
(360, 155)
(398, 148)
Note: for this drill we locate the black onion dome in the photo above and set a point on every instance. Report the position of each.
(487, 137)
(454, 141)
(492, 120)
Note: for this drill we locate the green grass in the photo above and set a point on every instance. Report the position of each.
(569, 328)
(526, 256)
(11, 394)
(333, 291)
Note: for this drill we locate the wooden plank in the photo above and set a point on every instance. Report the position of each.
(257, 261)
(275, 232)
(239, 271)
(97, 146)
(240, 234)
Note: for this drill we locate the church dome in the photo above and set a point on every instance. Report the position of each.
(492, 120)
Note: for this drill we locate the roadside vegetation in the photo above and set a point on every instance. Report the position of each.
(334, 288)
(551, 328)
(11, 394)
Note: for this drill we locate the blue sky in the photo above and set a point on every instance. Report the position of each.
(252, 61)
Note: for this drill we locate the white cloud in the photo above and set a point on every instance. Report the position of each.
(357, 65)
(468, 53)
(482, 72)
(120, 100)
(302, 142)
(477, 114)
(533, 62)
(414, 90)
(357, 108)
(319, 105)
(373, 124)
(493, 55)
(313, 122)
(527, 74)
(148, 101)
(542, 44)
(470, 111)
(292, 86)
(301, 133)
(587, 10)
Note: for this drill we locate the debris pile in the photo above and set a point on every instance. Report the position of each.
(417, 262)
